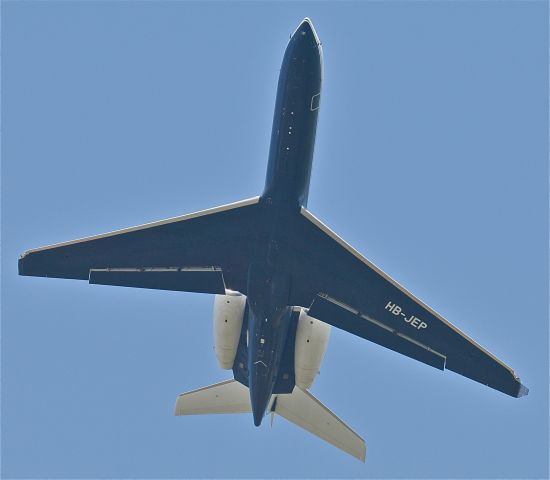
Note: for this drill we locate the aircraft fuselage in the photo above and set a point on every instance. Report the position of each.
(295, 120)
(286, 191)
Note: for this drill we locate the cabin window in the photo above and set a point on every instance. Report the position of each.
(315, 102)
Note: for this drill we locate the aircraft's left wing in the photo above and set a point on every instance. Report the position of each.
(187, 253)
(344, 289)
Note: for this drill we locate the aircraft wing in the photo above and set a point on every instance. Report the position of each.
(200, 252)
(344, 289)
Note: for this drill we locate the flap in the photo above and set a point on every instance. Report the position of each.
(181, 279)
(342, 316)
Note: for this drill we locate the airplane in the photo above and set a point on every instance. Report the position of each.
(281, 280)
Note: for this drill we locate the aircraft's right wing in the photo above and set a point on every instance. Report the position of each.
(346, 290)
(187, 253)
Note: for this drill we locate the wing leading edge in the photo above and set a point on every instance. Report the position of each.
(346, 290)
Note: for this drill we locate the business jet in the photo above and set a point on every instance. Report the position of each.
(281, 279)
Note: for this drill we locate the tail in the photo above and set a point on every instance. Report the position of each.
(300, 407)
(225, 397)
(303, 409)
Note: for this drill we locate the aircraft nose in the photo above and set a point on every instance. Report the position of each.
(307, 30)
(306, 27)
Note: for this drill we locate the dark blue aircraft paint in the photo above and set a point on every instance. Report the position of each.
(286, 190)
(274, 251)
(295, 120)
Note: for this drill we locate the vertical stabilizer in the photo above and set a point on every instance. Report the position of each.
(303, 409)
(225, 397)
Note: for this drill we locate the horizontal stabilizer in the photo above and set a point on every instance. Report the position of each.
(185, 279)
(225, 397)
(303, 409)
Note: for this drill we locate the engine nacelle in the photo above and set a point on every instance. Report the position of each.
(311, 344)
(228, 322)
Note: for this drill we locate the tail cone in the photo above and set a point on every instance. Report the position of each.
(258, 416)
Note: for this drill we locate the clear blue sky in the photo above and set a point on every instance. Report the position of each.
(433, 121)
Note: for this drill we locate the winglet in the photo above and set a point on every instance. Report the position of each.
(523, 391)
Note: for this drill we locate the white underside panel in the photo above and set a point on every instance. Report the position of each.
(225, 397)
(303, 409)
